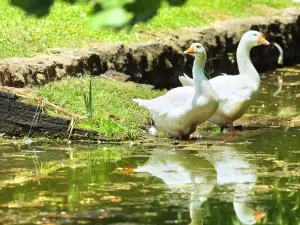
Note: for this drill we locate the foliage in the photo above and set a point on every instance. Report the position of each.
(37, 7)
(115, 115)
(112, 13)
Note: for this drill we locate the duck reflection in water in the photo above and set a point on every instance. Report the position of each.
(184, 171)
(234, 168)
(201, 171)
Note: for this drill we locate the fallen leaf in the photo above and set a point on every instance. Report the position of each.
(111, 198)
(128, 170)
(117, 199)
(263, 187)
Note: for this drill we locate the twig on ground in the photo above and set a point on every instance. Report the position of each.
(42, 101)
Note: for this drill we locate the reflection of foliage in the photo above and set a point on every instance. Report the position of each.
(284, 208)
(37, 164)
(113, 13)
(104, 153)
(282, 175)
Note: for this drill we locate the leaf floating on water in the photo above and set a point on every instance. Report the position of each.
(291, 70)
(291, 173)
(128, 170)
(111, 198)
(50, 223)
(103, 215)
(295, 208)
(83, 222)
(22, 204)
(36, 178)
(295, 186)
(263, 187)
(144, 141)
(117, 199)
(283, 163)
(150, 213)
(88, 201)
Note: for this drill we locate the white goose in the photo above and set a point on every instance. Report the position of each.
(181, 109)
(236, 93)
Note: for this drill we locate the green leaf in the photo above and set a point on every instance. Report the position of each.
(105, 13)
(100, 5)
(143, 10)
(38, 8)
(77, 1)
(113, 3)
(116, 17)
(176, 2)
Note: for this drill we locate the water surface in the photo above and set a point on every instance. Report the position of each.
(241, 177)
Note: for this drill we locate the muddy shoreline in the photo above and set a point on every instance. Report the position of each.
(19, 119)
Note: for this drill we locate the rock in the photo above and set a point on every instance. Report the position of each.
(112, 74)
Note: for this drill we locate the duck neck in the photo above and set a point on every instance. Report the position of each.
(244, 62)
(198, 73)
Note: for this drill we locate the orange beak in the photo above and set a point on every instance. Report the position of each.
(259, 215)
(190, 50)
(262, 41)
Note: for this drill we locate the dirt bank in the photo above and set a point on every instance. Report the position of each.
(20, 119)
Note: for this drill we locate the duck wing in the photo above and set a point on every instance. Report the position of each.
(233, 87)
(173, 100)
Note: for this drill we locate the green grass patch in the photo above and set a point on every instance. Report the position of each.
(67, 26)
(115, 115)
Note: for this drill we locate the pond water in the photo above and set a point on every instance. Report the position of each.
(242, 177)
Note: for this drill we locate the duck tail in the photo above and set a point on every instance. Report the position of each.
(139, 101)
(186, 80)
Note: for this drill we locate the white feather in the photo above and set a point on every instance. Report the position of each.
(186, 80)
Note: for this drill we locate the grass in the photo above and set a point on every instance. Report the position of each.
(88, 102)
(115, 115)
(67, 26)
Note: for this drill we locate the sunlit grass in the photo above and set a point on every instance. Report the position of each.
(67, 26)
(115, 115)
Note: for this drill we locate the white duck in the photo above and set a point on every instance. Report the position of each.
(236, 93)
(181, 109)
